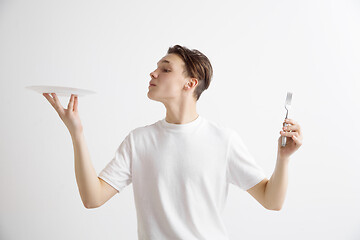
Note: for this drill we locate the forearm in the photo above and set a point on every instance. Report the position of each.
(86, 177)
(276, 187)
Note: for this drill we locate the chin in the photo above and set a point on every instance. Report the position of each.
(153, 98)
(149, 96)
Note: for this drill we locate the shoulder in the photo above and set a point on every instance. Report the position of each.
(218, 128)
(232, 135)
(144, 130)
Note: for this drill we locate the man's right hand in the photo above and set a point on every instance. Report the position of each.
(69, 116)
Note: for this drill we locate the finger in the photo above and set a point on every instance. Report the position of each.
(291, 125)
(50, 99)
(71, 102)
(76, 104)
(289, 134)
(291, 128)
(291, 121)
(57, 104)
(297, 140)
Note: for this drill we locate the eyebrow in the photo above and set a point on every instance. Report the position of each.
(164, 61)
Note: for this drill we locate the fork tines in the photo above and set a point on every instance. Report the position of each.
(288, 98)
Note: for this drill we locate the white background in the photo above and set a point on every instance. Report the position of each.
(259, 50)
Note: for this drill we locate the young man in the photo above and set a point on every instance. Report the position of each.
(180, 166)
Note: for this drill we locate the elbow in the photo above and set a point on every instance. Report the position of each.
(90, 206)
(273, 208)
(278, 208)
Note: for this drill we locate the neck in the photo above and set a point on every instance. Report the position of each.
(181, 113)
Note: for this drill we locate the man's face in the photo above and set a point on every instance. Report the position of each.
(170, 81)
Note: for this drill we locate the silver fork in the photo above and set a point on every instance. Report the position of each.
(287, 107)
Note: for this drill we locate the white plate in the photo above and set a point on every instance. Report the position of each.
(60, 91)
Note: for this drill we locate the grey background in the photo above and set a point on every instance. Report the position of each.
(259, 50)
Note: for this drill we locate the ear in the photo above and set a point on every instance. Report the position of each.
(192, 83)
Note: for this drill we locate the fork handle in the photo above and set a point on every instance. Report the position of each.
(283, 138)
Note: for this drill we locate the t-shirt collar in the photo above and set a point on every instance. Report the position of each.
(181, 127)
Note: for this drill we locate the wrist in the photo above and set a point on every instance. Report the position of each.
(76, 135)
(283, 159)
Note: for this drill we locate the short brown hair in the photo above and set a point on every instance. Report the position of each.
(197, 65)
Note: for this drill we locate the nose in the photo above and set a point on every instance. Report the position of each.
(153, 75)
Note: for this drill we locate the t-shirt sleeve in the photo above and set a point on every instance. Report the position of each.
(242, 169)
(118, 171)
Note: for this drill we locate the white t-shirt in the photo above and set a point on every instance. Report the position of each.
(180, 175)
